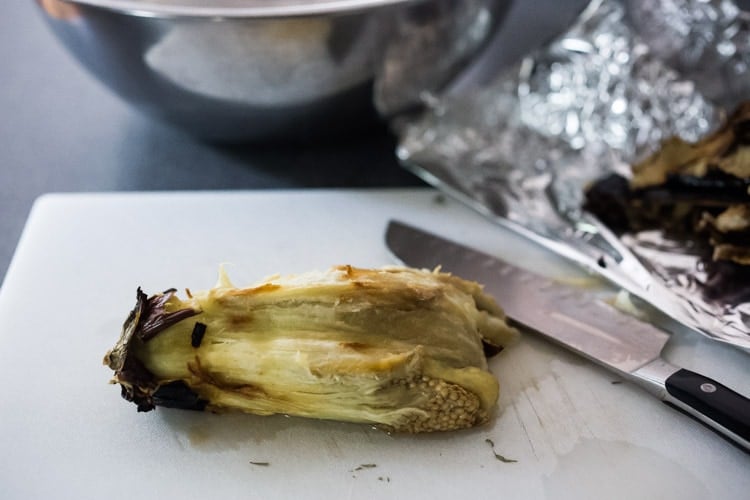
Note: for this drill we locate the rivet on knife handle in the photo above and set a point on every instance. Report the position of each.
(712, 403)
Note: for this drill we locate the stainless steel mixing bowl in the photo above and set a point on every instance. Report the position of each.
(238, 70)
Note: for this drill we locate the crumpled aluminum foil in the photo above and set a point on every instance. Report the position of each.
(592, 101)
(707, 41)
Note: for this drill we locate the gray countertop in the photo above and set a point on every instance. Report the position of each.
(62, 131)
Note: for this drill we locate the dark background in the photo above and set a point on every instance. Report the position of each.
(62, 131)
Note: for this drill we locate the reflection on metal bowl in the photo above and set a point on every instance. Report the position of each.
(238, 70)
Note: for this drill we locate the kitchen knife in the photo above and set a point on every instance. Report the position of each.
(587, 325)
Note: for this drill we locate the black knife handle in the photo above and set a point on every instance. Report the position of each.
(716, 405)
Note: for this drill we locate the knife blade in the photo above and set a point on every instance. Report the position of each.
(589, 326)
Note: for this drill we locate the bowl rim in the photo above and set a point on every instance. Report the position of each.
(263, 9)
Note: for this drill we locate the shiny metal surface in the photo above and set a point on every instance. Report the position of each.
(236, 8)
(256, 69)
(562, 313)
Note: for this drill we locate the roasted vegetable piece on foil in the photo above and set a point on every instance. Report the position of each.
(698, 191)
(398, 348)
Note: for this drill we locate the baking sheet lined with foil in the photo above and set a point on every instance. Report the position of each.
(594, 100)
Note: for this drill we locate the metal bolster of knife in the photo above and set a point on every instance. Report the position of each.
(653, 377)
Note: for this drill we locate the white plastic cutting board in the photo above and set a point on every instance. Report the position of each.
(573, 429)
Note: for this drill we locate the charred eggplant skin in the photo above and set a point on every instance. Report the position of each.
(144, 322)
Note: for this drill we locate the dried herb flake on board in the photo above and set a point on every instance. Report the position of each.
(365, 466)
(497, 455)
